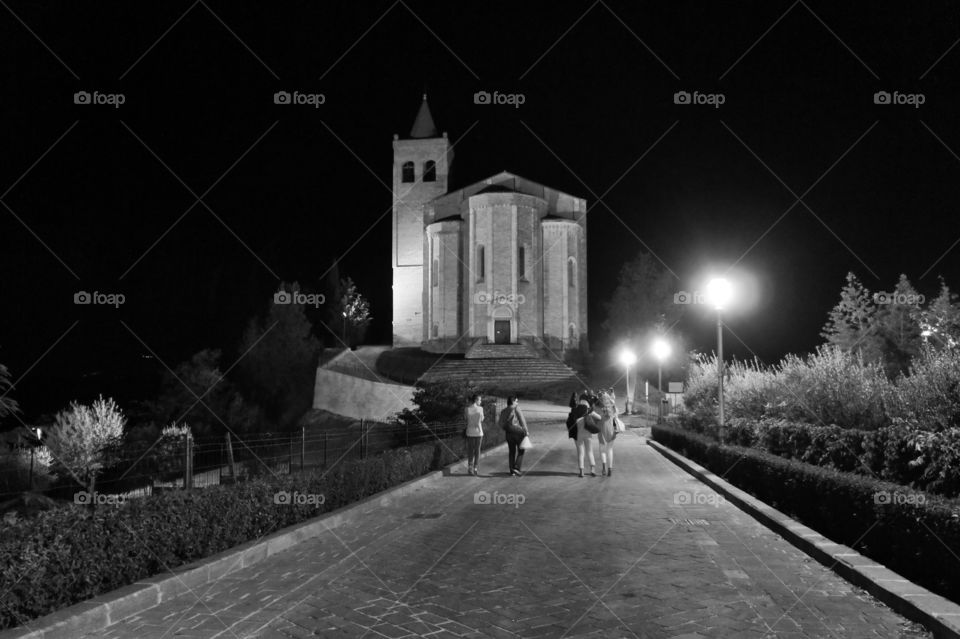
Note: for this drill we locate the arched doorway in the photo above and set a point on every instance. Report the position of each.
(502, 329)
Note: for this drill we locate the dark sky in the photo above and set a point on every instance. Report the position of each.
(98, 198)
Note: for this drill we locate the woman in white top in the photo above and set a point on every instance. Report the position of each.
(474, 433)
(608, 431)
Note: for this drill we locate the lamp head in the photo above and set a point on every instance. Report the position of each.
(661, 349)
(719, 292)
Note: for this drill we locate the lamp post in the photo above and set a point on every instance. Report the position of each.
(719, 293)
(661, 350)
(628, 359)
(344, 328)
(32, 450)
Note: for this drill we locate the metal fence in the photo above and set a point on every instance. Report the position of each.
(186, 462)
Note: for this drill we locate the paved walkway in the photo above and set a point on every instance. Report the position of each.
(553, 556)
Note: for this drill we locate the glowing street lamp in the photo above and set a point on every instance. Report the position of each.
(628, 359)
(719, 294)
(661, 351)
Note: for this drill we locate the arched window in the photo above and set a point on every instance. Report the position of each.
(572, 272)
(435, 273)
(436, 330)
(572, 331)
(522, 262)
(429, 171)
(407, 172)
(481, 263)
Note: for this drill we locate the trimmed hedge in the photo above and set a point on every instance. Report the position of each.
(913, 539)
(899, 454)
(67, 555)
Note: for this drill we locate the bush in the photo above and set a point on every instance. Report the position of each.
(929, 397)
(70, 554)
(914, 539)
(828, 387)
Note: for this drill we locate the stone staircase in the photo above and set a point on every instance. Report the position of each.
(501, 372)
(482, 350)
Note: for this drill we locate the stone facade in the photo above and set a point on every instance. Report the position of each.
(502, 260)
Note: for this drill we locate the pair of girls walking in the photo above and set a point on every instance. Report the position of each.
(515, 429)
(594, 416)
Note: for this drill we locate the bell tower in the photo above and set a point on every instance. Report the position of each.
(421, 168)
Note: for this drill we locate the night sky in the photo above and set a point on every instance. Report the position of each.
(198, 194)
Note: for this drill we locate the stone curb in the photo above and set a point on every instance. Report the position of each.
(936, 613)
(109, 608)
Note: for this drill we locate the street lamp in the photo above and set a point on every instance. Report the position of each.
(344, 328)
(661, 351)
(628, 359)
(719, 293)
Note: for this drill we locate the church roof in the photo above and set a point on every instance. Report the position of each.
(423, 126)
(503, 182)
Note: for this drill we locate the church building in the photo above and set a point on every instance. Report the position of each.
(500, 261)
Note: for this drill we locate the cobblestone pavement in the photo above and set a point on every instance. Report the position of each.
(649, 552)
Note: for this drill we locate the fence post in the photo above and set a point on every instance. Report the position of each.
(303, 446)
(290, 455)
(230, 461)
(188, 463)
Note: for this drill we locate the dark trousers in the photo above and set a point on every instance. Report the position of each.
(516, 453)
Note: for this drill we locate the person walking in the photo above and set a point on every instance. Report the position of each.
(514, 426)
(586, 427)
(608, 431)
(474, 433)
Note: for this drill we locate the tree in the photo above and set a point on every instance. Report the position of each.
(355, 313)
(278, 360)
(940, 321)
(643, 299)
(198, 394)
(898, 326)
(8, 405)
(83, 438)
(851, 325)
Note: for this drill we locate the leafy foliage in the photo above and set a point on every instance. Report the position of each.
(83, 440)
(8, 405)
